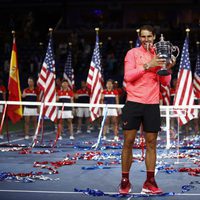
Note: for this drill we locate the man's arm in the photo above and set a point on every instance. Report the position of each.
(131, 73)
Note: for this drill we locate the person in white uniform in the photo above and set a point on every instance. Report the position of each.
(30, 111)
(65, 95)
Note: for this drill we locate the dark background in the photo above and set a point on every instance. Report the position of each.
(74, 21)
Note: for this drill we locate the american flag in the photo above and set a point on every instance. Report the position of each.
(165, 91)
(94, 80)
(184, 91)
(46, 82)
(68, 70)
(196, 81)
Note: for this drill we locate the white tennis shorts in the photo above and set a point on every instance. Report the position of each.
(66, 114)
(111, 112)
(83, 112)
(30, 111)
(1, 108)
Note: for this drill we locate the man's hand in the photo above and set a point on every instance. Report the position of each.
(24, 94)
(156, 61)
(171, 63)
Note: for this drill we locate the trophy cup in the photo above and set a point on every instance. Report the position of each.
(164, 49)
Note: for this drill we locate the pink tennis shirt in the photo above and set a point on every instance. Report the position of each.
(142, 86)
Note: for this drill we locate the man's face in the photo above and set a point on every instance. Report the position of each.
(147, 38)
(30, 82)
(109, 85)
(64, 85)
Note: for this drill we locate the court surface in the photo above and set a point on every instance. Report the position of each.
(87, 168)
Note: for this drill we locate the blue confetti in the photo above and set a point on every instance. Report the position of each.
(96, 192)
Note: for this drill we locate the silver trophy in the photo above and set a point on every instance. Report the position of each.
(165, 50)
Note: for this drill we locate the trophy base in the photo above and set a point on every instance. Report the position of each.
(163, 72)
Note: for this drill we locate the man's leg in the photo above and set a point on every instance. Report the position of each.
(70, 127)
(26, 126)
(150, 160)
(129, 139)
(115, 125)
(34, 122)
(105, 128)
(150, 185)
(87, 121)
(60, 128)
(79, 125)
(127, 157)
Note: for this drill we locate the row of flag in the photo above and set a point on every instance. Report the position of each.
(46, 82)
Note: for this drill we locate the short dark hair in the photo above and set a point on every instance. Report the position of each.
(31, 77)
(109, 80)
(64, 80)
(148, 28)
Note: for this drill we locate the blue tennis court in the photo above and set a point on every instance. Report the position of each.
(74, 170)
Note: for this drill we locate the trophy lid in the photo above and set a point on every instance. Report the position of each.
(161, 37)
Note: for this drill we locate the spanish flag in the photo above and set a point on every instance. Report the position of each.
(14, 111)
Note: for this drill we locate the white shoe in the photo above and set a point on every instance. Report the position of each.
(1, 137)
(71, 137)
(104, 138)
(88, 131)
(60, 138)
(78, 131)
(116, 138)
(26, 137)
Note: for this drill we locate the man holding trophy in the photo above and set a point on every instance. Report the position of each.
(142, 76)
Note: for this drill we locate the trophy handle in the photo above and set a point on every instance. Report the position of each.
(175, 48)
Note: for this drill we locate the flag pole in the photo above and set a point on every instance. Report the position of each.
(38, 127)
(131, 44)
(97, 31)
(7, 130)
(41, 124)
(187, 30)
(41, 112)
(50, 31)
(70, 45)
(13, 33)
(96, 145)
